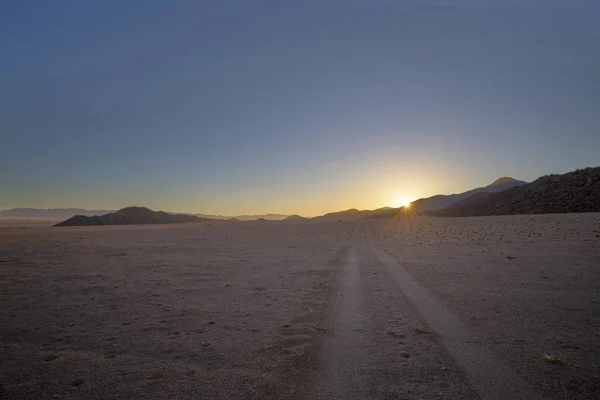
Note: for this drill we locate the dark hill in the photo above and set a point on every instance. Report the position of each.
(347, 215)
(577, 191)
(354, 215)
(295, 217)
(388, 212)
(131, 216)
(441, 201)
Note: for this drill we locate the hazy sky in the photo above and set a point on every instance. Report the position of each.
(290, 106)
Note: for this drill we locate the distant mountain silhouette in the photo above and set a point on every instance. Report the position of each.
(64, 213)
(389, 212)
(354, 215)
(572, 192)
(49, 214)
(131, 216)
(295, 217)
(577, 191)
(347, 215)
(270, 217)
(211, 216)
(441, 201)
(420, 206)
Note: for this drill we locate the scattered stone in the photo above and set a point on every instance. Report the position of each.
(77, 382)
(156, 375)
(422, 331)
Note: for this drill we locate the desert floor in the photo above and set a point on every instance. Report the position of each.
(410, 308)
(8, 222)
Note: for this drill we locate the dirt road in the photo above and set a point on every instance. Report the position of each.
(384, 320)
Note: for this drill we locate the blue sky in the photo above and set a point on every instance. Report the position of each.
(305, 107)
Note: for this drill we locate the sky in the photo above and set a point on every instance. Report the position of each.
(241, 107)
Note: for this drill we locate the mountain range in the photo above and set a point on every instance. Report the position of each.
(354, 214)
(58, 214)
(441, 201)
(577, 191)
(424, 205)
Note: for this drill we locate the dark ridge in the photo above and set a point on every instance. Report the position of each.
(442, 201)
(131, 216)
(503, 181)
(577, 191)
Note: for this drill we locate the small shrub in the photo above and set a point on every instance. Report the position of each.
(550, 359)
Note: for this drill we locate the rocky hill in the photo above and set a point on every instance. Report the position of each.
(577, 191)
(441, 201)
(131, 216)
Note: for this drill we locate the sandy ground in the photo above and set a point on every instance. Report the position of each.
(300, 310)
(526, 285)
(184, 311)
(9, 222)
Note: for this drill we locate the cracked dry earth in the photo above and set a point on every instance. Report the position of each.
(410, 308)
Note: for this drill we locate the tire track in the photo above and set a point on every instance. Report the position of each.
(342, 354)
(490, 379)
(374, 349)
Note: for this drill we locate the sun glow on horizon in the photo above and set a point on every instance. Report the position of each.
(401, 201)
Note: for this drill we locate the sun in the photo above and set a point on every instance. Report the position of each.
(401, 202)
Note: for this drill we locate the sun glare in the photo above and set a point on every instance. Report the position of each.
(402, 202)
